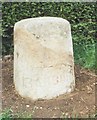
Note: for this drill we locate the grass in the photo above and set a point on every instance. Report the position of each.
(77, 117)
(13, 0)
(7, 115)
(85, 55)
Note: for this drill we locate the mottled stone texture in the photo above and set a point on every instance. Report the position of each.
(43, 58)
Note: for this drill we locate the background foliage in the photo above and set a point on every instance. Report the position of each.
(80, 15)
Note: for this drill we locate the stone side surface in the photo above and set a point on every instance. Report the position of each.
(43, 58)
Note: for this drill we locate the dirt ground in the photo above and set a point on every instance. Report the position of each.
(80, 103)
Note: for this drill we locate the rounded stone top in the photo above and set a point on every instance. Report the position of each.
(39, 20)
(47, 29)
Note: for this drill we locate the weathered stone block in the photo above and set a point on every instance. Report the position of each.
(43, 57)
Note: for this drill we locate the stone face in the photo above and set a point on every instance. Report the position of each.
(43, 58)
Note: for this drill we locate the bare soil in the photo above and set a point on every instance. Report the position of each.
(79, 103)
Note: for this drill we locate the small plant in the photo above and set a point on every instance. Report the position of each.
(6, 115)
(96, 114)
